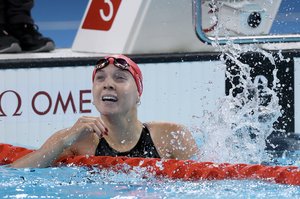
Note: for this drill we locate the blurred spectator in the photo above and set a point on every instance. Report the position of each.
(18, 31)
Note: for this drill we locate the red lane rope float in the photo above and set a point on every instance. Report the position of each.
(10, 153)
(174, 169)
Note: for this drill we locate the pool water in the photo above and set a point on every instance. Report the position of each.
(225, 132)
(81, 182)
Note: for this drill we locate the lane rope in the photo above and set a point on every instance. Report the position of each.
(170, 168)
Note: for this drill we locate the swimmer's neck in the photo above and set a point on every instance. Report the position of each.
(122, 130)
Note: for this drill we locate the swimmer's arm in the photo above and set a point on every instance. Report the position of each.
(173, 141)
(54, 148)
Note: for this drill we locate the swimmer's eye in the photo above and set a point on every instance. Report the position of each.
(121, 76)
(99, 77)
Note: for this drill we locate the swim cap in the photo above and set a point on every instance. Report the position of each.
(133, 69)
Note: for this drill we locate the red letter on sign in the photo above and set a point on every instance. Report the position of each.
(49, 103)
(101, 14)
(64, 106)
(84, 101)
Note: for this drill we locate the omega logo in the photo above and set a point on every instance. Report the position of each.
(17, 112)
(52, 103)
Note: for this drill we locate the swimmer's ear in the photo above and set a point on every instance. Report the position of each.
(138, 101)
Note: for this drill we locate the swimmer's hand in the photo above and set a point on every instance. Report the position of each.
(85, 125)
(57, 145)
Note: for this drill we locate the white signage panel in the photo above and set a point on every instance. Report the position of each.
(37, 102)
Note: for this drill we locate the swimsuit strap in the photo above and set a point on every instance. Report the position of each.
(144, 148)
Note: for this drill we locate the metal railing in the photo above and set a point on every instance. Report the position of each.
(222, 40)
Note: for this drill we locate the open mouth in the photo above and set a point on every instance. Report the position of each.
(109, 98)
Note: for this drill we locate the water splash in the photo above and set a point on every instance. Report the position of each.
(237, 131)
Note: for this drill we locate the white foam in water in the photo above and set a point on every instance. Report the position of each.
(237, 131)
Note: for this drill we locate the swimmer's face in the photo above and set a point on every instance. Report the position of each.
(114, 91)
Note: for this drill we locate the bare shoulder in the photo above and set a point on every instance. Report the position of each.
(172, 140)
(165, 127)
(168, 131)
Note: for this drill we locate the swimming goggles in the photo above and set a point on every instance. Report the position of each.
(118, 62)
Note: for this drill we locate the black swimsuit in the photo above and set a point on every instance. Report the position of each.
(144, 148)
